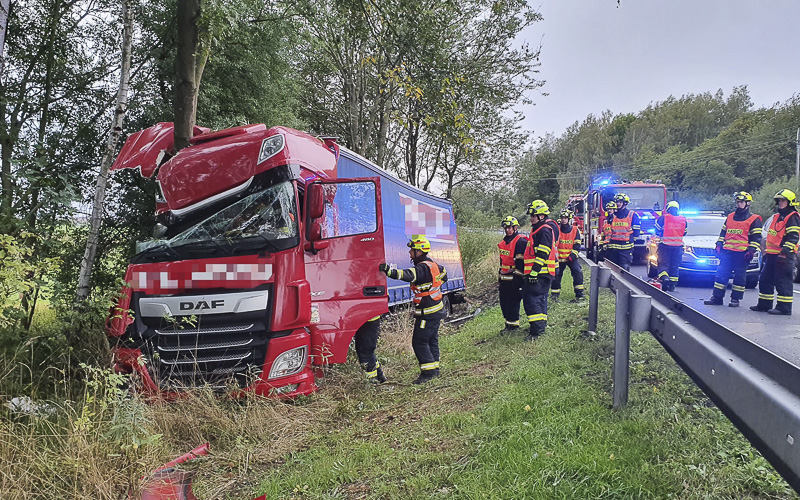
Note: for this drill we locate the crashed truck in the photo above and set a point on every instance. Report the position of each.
(267, 258)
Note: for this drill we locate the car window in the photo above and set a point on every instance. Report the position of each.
(704, 227)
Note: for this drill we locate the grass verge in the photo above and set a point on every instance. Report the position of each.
(510, 419)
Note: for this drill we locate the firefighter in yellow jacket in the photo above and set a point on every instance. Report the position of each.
(540, 268)
(426, 278)
(779, 259)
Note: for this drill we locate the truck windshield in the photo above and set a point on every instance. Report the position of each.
(645, 198)
(266, 215)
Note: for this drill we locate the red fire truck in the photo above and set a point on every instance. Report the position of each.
(647, 200)
(267, 258)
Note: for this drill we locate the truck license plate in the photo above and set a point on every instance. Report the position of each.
(713, 262)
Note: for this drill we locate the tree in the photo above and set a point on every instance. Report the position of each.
(189, 64)
(111, 147)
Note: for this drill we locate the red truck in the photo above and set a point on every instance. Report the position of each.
(267, 258)
(648, 199)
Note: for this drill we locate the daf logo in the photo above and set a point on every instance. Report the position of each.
(201, 305)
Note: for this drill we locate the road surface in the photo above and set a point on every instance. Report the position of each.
(779, 334)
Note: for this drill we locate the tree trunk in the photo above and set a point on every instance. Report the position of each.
(186, 85)
(111, 145)
(5, 10)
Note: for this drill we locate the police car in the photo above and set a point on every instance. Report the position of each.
(700, 259)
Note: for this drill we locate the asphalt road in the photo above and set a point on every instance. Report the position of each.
(779, 334)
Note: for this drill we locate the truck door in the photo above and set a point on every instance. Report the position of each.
(344, 245)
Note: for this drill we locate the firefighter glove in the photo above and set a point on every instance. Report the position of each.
(719, 249)
(748, 255)
(384, 268)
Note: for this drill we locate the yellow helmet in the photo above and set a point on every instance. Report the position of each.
(538, 207)
(622, 197)
(510, 221)
(742, 196)
(419, 242)
(611, 205)
(567, 214)
(785, 194)
(672, 204)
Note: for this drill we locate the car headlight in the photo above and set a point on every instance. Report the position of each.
(688, 249)
(288, 363)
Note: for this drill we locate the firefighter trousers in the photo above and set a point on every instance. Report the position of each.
(425, 341)
(669, 260)
(776, 276)
(622, 258)
(366, 342)
(510, 291)
(577, 277)
(534, 300)
(731, 262)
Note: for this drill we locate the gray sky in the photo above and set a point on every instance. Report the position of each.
(596, 56)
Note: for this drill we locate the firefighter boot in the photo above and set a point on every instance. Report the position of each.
(426, 376)
(380, 378)
(779, 312)
(713, 301)
(578, 298)
(734, 303)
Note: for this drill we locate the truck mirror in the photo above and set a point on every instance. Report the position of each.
(315, 202)
(314, 232)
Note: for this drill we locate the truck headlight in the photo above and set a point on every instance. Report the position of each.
(288, 363)
(270, 147)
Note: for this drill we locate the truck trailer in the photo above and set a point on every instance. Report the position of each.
(267, 258)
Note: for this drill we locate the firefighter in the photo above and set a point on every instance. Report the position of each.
(540, 268)
(671, 227)
(625, 227)
(569, 243)
(366, 342)
(426, 278)
(605, 236)
(782, 239)
(512, 266)
(738, 241)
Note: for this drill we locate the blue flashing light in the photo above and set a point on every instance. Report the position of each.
(688, 212)
(645, 216)
(651, 231)
(702, 261)
(604, 182)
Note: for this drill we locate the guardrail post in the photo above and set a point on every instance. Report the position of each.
(594, 292)
(622, 346)
(640, 313)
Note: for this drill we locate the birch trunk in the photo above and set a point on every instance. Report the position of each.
(108, 157)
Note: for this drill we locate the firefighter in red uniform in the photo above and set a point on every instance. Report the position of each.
(366, 343)
(625, 228)
(569, 243)
(512, 266)
(605, 236)
(540, 268)
(738, 241)
(426, 278)
(782, 239)
(671, 227)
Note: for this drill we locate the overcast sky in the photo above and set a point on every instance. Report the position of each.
(597, 56)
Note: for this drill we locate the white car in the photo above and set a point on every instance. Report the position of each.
(700, 259)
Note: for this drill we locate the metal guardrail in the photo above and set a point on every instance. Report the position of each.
(756, 389)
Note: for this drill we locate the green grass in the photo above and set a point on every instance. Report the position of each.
(510, 419)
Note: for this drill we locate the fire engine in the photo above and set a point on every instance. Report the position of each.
(647, 200)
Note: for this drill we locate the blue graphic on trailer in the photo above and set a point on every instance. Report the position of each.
(406, 211)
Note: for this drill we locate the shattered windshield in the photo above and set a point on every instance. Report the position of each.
(267, 215)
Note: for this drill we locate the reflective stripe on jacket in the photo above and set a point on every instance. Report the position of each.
(566, 243)
(621, 232)
(737, 233)
(674, 229)
(432, 290)
(532, 248)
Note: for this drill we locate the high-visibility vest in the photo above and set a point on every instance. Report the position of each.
(432, 289)
(507, 256)
(737, 233)
(621, 231)
(566, 243)
(606, 230)
(530, 253)
(775, 234)
(674, 228)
